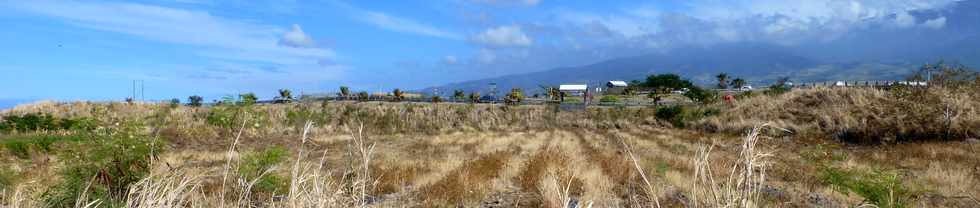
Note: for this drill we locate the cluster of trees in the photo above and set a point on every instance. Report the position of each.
(724, 81)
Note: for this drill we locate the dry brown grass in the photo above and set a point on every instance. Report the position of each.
(861, 115)
(445, 155)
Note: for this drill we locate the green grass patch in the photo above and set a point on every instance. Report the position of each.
(25, 145)
(881, 188)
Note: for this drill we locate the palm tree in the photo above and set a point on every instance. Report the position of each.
(722, 80)
(738, 83)
(285, 96)
(344, 92)
(398, 95)
(458, 95)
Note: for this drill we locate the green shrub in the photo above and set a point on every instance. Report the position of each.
(609, 99)
(881, 188)
(679, 116)
(45, 122)
(103, 168)
(700, 95)
(670, 113)
(23, 146)
(259, 166)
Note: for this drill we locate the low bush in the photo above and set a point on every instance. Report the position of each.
(680, 116)
(101, 168)
(44, 122)
(260, 167)
(24, 146)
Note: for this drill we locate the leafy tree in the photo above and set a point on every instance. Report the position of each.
(345, 92)
(247, 99)
(722, 80)
(475, 97)
(698, 94)
(515, 96)
(436, 99)
(946, 75)
(363, 96)
(285, 96)
(738, 83)
(459, 95)
(779, 87)
(398, 95)
(174, 103)
(667, 82)
(195, 101)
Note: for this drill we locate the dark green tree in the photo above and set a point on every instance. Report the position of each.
(722, 80)
(195, 101)
(247, 99)
(459, 95)
(285, 96)
(738, 83)
(174, 103)
(363, 96)
(345, 92)
(397, 95)
(667, 82)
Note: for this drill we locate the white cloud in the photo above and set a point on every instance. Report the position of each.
(904, 19)
(937, 23)
(394, 23)
(503, 36)
(297, 38)
(451, 60)
(398, 24)
(213, 36)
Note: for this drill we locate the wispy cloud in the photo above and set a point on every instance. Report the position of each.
(225, 38)
(394, 23)
(503, 36)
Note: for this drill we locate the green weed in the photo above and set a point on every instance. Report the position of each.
(881, 188)
(260, 167)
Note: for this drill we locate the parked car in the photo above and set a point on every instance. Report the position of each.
(745, 88)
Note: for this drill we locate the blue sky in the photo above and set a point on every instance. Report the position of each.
(92, 50)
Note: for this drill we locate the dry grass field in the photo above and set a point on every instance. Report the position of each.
(805, 148)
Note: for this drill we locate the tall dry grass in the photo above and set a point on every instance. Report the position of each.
(862, 115)
(744, 184)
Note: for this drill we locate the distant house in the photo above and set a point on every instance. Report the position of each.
(616, 87)
(573, 88)
(578, 90)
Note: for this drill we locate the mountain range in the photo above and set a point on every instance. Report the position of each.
(880, 55)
